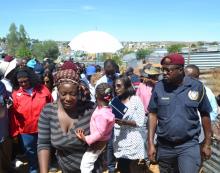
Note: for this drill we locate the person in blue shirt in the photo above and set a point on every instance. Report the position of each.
(193, 71)
(174, 106)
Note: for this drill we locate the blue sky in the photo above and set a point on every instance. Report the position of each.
(127, 20)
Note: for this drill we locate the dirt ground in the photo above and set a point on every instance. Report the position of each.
(24, 169)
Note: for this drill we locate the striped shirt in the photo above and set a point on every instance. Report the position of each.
(69, 148)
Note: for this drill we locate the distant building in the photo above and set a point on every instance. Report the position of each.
(213, 48)
(160, 52)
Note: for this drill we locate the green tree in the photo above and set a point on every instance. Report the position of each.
(38, 50)
(142, 53)
(23, 51)
(116, 57)
(103, 56)
(18, 43)
(23, 37)
(193, 45)
(51, 49)
(12, 40)
(126, 51)
(200, 43)
(46, 49)
(174, 48)
(214, 43)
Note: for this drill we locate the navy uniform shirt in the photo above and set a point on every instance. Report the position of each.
(177, 109)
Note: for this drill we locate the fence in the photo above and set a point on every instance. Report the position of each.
(205, 60)
(213, 165)
(211, 78)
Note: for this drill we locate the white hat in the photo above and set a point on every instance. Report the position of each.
(7, 67)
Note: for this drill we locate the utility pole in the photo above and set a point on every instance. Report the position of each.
(188, 59)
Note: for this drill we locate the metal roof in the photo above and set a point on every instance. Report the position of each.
(204, 60)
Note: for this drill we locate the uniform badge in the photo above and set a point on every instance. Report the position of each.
(193, 95)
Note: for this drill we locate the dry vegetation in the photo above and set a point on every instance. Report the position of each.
(211, 78)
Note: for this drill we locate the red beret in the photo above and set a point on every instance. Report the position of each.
(175, 59)
(8, 58)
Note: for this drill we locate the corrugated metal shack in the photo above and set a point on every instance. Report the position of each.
(205, 60)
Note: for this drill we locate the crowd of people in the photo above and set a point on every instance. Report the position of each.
(87, 118)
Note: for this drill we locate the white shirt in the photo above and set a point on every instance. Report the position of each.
(92, 92)
(103, 79)
(130, 142)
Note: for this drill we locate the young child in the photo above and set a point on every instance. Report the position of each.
(101, 125)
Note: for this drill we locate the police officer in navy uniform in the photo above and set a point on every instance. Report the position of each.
(173, 108)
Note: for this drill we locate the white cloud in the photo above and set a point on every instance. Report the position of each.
(88, 8)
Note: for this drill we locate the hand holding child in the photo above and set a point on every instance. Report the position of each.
(80, 134)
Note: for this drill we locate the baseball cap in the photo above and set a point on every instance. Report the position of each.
(38, 68)
(31, 63)
(90, 70)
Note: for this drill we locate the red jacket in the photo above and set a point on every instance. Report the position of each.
(27, 108)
